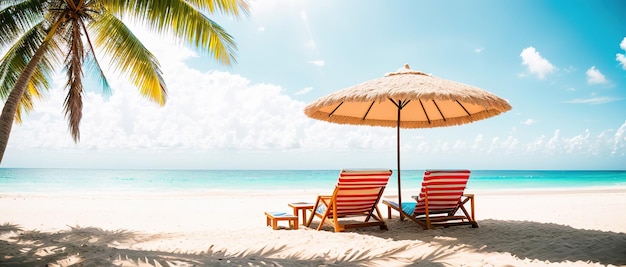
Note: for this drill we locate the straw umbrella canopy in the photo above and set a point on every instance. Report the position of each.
(407, 99)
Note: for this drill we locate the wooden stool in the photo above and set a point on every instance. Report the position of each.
(274, 217)
(303, 206)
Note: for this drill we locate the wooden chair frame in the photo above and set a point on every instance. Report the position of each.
(432, 217)
(441, 218)
(332, 214)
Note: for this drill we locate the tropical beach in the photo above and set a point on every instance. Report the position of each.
(581, 226)
(184, 133)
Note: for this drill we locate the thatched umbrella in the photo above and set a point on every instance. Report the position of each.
(407, 99)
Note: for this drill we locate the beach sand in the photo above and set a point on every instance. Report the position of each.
(521, 228)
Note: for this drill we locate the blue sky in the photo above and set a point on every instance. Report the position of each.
(560, 64)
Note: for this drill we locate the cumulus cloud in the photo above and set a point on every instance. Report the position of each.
(219, 111)
(619, 141)
(535, 145)
(621, 58)
(206, 111)
(529, 122)
(594, 76)
(478, 50)
(478, 142)
(226, 113)
(582, 144)
(553, 142)
(535, 63)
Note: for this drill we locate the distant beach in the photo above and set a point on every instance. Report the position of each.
(65, 217)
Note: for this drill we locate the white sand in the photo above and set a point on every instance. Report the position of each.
(556, 228)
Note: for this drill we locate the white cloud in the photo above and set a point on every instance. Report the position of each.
(594, 76)
(553, 143)
(304, 91)
(580, 145)
(219, 111)
(319, 63)
(535, 63)
(577, 144)
(529, 122)
(261, 29)
(494, 144)
(223, 113)
(478, 142)
(594, 100)
(621, 58)
(510, 145)
(478, 50)
(536, 145)
(619, 141)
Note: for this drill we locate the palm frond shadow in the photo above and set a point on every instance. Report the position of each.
(413, 254)
(364, 257)
(523, 239)
(91, 246)
(7, 228)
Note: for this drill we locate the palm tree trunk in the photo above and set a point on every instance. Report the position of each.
(10, 107)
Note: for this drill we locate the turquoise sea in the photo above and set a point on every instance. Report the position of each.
(198, 181)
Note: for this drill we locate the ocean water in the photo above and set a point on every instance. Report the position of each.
(198, 181)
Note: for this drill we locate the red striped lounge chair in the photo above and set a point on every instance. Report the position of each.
(356, 194)
(441, 201)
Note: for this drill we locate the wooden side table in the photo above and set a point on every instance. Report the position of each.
(301, 206)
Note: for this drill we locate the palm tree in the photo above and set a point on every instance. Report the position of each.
(39, 36)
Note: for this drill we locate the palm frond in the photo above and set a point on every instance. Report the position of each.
(26, 104)
(182, 19)
(130, 56)
(19, 17)
(74, 67)
(93, 64)
(230, 7)
(15, 60)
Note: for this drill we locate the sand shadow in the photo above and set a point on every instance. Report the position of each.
(523, 239)
(91, 246)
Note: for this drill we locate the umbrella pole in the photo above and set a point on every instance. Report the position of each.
(398, 157)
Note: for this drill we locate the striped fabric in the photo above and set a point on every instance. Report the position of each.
(443, 188)
(356, 194)
(363, 178)
(351, 201)
(359, 190)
